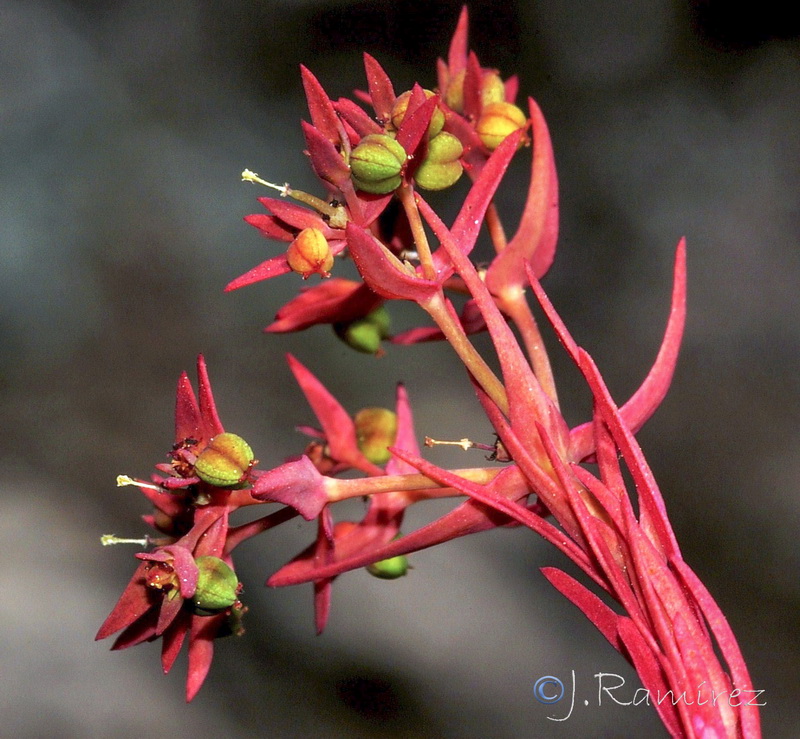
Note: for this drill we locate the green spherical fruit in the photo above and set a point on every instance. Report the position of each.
(225, 461)
(217, 585)
(498, 120)
(444, 148)
(376, 430)
(365, 334)
(438, 176)
(359, 335)
(441, 167)
(381, 319)
(376, 164)
(389, 569)
(401, 106)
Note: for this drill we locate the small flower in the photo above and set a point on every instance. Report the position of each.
(184, 587)
(157, 603)
(285, 222)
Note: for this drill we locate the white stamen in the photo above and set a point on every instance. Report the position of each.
(123, 480)
(248, 176)
(108, 540)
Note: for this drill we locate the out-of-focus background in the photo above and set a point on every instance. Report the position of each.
(123, 130)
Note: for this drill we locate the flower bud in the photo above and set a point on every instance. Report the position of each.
(310, 253)
(441, 166)
(497, 121)
(389, 569)
(225, 462)
(401, 106)
(365, 334)
(376, 430)
(217, 585)
(376, 164)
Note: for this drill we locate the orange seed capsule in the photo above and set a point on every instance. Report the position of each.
(310, 254)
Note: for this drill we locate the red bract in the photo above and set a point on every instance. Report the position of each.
(657, 613)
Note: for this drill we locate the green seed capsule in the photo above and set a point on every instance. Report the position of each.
(492, 89)
(376, 430)
(389, 569)
(365, 334)
(376, 164)
(441, 167)
(225, 461)
(382, 321)
(217, 585)
(401, 106)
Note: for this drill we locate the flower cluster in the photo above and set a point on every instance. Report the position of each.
(567, 485)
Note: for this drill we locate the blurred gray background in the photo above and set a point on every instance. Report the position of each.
(124, 127)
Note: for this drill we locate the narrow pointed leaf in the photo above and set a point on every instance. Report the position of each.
(340, 431)
(356, 118)
(172, 640)
(327, 162)
(381, 91)
(535, 240)
(273, 267)
(602, 617)
(201, 651)
(726, 641)
(188, 423)
(650, 673)
(208, 408)
(459, 44)
(132, 605)
(643, 403)
(323, 115)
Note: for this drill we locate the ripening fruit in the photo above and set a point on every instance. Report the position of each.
(365, 334)
(376, 164)
(389, 569)
(492, 89)
(441, 167)
(376, 430)
(310, 254)
(401, 106)
(497, 121)
(454, 94)
(217, 585)
(225, 462)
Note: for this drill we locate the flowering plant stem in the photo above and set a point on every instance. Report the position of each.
(567, 485)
